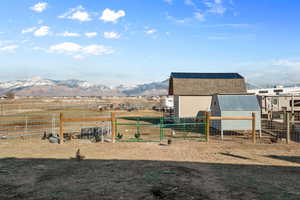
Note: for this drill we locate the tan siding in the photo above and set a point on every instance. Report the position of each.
(189, 106)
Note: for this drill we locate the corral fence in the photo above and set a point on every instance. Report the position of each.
(210, 131)
(118, 128)
(282, 126)
(158, 128)
(36, 125)
(24, 125)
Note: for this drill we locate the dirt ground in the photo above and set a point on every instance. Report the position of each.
(35, 169)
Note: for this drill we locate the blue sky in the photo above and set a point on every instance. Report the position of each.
(138, 41)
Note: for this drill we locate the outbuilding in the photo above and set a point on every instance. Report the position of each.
(193, 91)
(235, 105)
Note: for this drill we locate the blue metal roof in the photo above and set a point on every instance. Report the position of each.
(206, 75)
(238, 103)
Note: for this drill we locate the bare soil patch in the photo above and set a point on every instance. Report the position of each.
(35, 169)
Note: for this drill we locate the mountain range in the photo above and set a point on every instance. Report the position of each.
(46, 87)
(38, 86)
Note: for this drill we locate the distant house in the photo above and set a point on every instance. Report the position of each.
(193, 91)
(167, 102)
(235, 106)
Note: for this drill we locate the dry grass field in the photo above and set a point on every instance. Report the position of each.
(35, 169)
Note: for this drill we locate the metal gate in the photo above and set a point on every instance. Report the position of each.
(156, 129)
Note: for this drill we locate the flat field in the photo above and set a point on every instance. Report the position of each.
(35, 169)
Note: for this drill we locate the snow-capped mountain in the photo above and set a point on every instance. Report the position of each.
(38, 86)
(35, 81)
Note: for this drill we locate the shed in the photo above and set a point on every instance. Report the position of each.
(236, 105)
(193, 91)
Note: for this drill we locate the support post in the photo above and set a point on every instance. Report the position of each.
(113, 127)
(253, 128)
(207, 126)
(222, 134)
(161, 130)
(61, 128)
(288, 135)
(102, 135)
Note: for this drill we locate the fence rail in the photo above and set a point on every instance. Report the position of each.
(211, 118)
(152, 127)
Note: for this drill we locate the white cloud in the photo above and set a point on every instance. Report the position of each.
(177, 21)
(112, 16)
(285, 62)
(39, 7)
(42, 31)
(77, 13)
(78, 51)
(36, 48)
(189, 2)
(96, 50)
(168, 1)
(10, 48)
(79, 57)
(199, 16)
(91, 34)
(215, 7)
(2, 42)
(28, 30)
(150, 31)
(65, 47)
(69, 34)
(111, 35)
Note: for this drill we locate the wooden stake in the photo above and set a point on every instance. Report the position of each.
(207, 126)
(113, 127)
(61, 128)
(253, 128)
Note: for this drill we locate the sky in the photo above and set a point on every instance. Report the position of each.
(139, 41)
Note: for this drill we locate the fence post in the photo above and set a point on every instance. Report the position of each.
(287, 127)
(253, 128)
(61, 128)
(113, 127)
(207, 126)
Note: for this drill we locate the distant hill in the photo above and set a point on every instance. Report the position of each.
(155, 88)
(47, 87)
